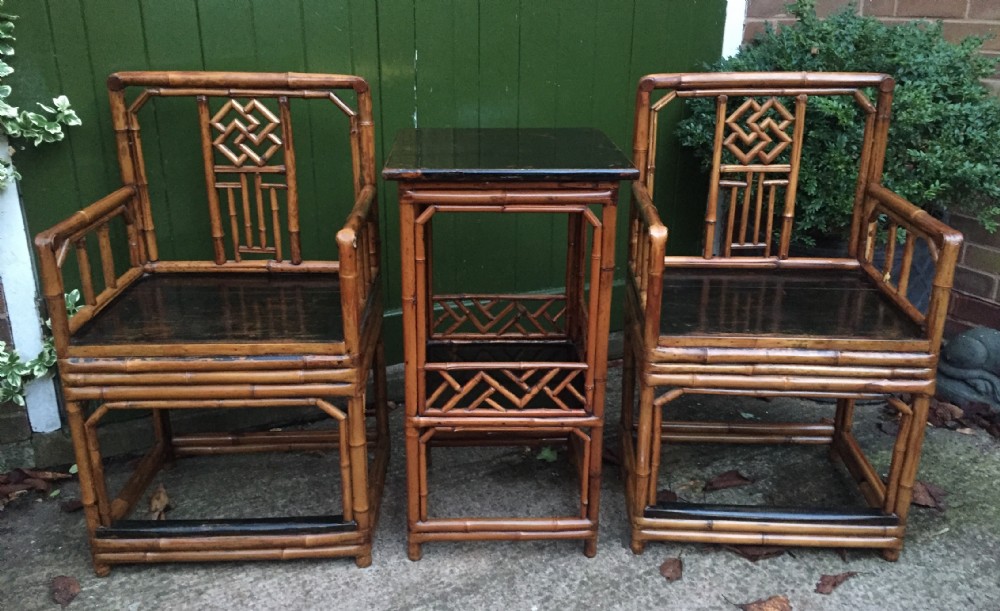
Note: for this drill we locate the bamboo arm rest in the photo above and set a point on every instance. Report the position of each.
(647, 248)
(358, 216)
(915, 219)
(241, 80)
(647, 212)
(357, 244)
(943, 242)
(85, 220)
(54, 246)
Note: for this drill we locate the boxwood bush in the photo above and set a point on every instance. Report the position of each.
(944, 140)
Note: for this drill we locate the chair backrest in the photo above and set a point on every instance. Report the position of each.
(760, 123)
(248, 152)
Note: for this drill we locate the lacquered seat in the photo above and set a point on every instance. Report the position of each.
(207, 308)
(826, 303)
(745, 316)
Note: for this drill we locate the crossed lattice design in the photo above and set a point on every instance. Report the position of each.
(500, 316)
(249, 135)
(507, 389)
(765, 136)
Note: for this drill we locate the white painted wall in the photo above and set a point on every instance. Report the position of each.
(732, 35)
(21, 294)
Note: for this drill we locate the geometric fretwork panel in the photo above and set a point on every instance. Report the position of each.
(503, 389)
(758, 132)
(251, 178)
(249, 134)
(488, 316)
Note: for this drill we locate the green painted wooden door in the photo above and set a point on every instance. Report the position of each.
(463, 63)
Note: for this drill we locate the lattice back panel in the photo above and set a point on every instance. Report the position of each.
(250, 163)
(755, 170)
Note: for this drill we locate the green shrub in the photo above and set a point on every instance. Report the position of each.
(944, 139)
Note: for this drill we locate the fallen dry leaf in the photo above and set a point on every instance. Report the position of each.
(691, 485)
(9, 493)
(827, 583)
(71, 505)
(15, 477)
(49, 476)
(976, 409)
(753, 553)
(775, 603)
(983, 416)
(9, 489)
(964, 430)
(729, 479)
(671, 569)
(666, 496)
(928, 495)
(158, 503)
(38, 484)
(64, 589)
(943, 414)
(614, 363)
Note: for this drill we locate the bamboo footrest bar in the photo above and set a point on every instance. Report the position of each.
(748, 318)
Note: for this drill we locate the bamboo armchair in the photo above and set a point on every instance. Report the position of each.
(256, 326)
(747, 318)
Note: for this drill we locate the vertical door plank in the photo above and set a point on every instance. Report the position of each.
(177, 190)
(499, 67)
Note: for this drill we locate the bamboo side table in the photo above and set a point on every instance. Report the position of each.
(507, 369)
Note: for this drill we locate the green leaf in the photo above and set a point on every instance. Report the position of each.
(547, 454)
(73, 470)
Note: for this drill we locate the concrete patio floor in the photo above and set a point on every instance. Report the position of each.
(951, 560)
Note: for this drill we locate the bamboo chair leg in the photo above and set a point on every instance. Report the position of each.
(88, 495)
(163, 433)
(626, 416)
(843, 422)
(381, 393)
(414, 551)
(644, 438)
(654, 462)
(628, 383)
(359, 473)
(593, 472)
(911, 461)
(97, 473)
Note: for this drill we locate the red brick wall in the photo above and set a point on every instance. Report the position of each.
(976, 298)
(961, 18)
